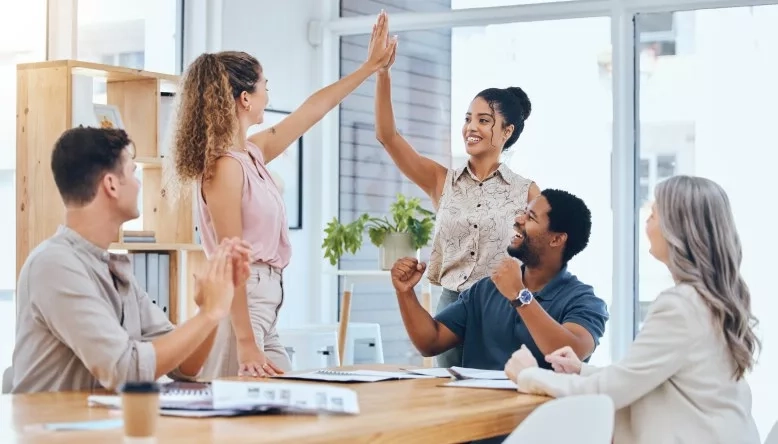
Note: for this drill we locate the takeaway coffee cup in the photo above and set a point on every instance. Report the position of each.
(140, 409)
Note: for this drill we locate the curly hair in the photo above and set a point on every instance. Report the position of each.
(207, 121)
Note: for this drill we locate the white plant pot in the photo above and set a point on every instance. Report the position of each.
(396, 246)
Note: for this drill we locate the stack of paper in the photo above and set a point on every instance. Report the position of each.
(231, 398)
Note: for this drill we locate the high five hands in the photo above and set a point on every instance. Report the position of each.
(381, 49)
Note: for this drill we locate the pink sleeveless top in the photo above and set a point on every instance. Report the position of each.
(264, 217)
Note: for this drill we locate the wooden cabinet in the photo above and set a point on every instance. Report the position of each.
(48, 98)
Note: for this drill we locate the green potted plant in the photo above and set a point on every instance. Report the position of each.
(408, 228)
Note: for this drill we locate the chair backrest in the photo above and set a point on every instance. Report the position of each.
(593, 413)
(8, 380)
(772, 435)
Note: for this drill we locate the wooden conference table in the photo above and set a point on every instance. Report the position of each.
(410, 411)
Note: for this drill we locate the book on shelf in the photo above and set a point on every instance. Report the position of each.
(232, 398)
(130, 236)
(167, 101)
(152, 271)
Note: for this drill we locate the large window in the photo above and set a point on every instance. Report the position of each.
(29, 22)
(708, 109)
(141, 34)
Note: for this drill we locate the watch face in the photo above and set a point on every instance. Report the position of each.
(525, 296)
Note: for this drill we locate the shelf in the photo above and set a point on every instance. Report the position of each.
(149, 162)
(111, 73)
(149, 246)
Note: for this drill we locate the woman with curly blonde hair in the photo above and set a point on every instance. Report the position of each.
(223, 94)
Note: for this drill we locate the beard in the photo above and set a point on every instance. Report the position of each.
(524, 252)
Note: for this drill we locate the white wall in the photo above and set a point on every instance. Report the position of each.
(277, 34)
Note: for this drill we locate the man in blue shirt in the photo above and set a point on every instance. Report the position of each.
(535, 302)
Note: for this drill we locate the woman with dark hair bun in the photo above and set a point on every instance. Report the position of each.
(477, 202)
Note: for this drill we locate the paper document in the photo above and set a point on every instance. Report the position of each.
(474, 373)
(502, 384)
(231, 398)
(351, 376)
(438, 372)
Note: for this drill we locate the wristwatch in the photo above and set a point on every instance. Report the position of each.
(525, 297)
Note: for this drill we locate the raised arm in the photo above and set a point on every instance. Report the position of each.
(581, 326)
(428, 335)
(275, 140)
(423, 171)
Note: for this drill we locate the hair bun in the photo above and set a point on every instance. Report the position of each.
(521, 96)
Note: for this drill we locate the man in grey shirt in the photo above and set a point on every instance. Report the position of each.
(84, 322)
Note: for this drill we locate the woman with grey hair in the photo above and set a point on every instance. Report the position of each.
(683, 377)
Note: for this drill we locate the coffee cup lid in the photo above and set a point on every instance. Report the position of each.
(139, 387)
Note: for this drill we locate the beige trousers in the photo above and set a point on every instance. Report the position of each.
(265, 295)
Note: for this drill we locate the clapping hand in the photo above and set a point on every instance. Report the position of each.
(241, 261)
(214, 285)
(564, 360)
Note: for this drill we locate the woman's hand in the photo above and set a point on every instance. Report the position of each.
(253, 362)
(381, 48)
(521, 359)
(564, 360)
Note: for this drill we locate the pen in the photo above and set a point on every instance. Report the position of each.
(456, 374)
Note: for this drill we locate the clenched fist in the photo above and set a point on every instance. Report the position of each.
(507, 278)
(406, 273)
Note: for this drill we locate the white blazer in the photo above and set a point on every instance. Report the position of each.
(674, 386)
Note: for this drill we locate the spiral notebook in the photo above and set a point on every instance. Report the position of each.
(352, 376)
(231, 398)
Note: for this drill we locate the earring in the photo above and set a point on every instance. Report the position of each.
(248, 108)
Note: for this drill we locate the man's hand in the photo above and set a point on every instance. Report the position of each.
(521, 359)
(241, 262)
(215, 283)
(507, 278)
(406, 273)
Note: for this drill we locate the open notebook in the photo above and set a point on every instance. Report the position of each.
(231, 398)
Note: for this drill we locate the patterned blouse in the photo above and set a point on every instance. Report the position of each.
(474, 225)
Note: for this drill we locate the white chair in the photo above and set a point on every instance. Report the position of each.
(8, 380)
(772, 435)
(356, 332)
(592, 413)
(310, 349)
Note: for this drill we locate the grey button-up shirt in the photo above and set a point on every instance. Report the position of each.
(84, 322)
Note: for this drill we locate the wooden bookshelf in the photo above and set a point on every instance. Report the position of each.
(48, 101)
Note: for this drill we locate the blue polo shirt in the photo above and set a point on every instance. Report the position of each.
(491, 330)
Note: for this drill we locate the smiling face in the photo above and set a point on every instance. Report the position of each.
(122, 187)
(531, 235)
(252, 104)
(483, 129)
(658, 246)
